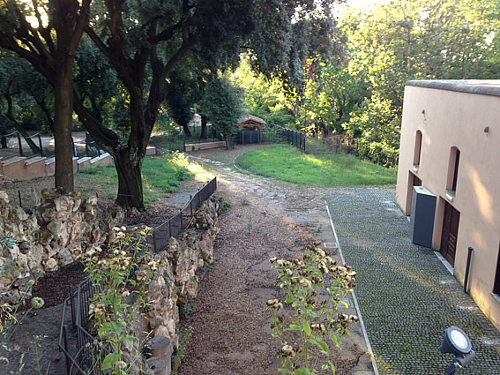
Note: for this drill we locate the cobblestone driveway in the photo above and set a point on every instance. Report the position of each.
(406, 295)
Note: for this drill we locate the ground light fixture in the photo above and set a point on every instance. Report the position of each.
(457, 342)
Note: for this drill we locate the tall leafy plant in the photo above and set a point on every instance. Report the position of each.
(307, 322)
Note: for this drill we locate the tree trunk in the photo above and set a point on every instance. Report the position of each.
(70, 19)
(228, 139)
(185, 127)
(63, 91)
(128, 168)
(46, 111)
(204, 132)
(4, 141)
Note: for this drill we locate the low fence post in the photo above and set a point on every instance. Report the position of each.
(72, 306)
(155, 143)
(40, 144)
(75, 153)
(20, 144)
(67, 349)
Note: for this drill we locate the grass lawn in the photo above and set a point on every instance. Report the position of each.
(287, 163)
(160, 176)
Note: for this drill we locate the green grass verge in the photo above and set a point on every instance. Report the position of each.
(287, 163)
(160, 176)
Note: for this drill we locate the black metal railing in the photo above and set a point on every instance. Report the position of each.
(81, 349)
(277, 134)
(177, 223)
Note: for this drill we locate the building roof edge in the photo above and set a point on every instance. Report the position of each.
(479, 87)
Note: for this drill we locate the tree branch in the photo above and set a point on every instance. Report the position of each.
(181, 52)
(98, 42)
(38, 62)
(167, 33)
(105, 137)
(27, 34)
(82, 22)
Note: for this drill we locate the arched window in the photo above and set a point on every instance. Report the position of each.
(418, 148)
(451, 184)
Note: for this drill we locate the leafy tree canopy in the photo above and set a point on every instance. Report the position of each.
(144, 43)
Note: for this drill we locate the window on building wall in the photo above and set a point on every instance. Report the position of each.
(418, 148)
(453, 169)
(496, 286)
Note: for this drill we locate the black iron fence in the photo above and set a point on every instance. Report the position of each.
(176, 224)
(277, 134)
(17, 144)
(83, 350)
(333, 144)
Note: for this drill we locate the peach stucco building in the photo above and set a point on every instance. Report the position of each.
(450, 145)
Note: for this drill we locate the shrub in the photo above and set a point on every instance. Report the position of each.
(315, 286)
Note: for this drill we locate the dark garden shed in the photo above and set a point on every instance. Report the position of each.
(250, 129)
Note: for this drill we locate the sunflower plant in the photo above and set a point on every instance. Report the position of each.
(307, 320)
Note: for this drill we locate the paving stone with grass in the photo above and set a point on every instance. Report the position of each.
(406, 295)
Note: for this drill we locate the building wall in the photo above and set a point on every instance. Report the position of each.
(458, 119)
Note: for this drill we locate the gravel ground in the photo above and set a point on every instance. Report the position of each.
(406, 295)
(231, 329)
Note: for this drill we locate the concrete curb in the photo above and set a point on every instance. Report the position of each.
(363, 328)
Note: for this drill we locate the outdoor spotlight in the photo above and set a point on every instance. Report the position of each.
(457, 342)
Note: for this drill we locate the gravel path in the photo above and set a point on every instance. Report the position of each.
(231, 329)
(406, 295)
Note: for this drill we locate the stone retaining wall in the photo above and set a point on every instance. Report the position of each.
(176, 281)
(61, 227)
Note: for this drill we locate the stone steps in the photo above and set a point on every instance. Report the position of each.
(22, 168)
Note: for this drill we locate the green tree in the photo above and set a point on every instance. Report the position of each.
(26, 99)
(264, 97)
(222, 107)
(329, 96)
(184, 90)
(50, 46)
(403, 40)
(144, 43)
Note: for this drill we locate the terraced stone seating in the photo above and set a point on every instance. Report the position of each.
(23, 168)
